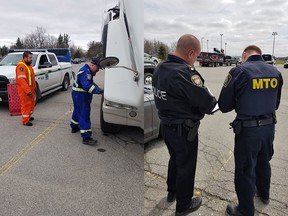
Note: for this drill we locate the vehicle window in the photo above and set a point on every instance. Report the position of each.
(43, 59)
(13, 59)
(52, 59)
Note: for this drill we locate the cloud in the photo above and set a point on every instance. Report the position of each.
(241, 22)
(81, 20)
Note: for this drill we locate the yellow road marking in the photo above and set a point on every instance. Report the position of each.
(8, 165)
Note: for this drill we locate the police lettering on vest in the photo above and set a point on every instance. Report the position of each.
(264, 83)
(159, 94)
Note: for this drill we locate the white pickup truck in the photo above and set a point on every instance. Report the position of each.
(50, 75)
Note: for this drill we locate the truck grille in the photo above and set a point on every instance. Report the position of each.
(3, 83)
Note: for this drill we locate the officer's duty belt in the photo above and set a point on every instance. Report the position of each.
(257, 122)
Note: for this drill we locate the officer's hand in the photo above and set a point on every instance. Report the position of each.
(29, 94)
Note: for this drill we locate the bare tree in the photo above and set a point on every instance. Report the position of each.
(39, 39)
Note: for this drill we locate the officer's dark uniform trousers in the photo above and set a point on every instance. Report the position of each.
(253, 151)
(253, 89)
(182, 164)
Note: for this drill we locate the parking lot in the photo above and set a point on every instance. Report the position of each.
(215, 167)
(46, 170)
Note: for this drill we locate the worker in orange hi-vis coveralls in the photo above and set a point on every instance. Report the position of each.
(25, 80)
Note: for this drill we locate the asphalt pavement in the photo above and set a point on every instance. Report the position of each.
(215, 167)
(45, 170)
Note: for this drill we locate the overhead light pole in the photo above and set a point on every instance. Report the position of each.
(207, 45)
(221, 42)
(202, 42)
(273, 34)
(225, 51)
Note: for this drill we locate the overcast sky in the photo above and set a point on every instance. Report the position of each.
(81, 20)
(241, 22)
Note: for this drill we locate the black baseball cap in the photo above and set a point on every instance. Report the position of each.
(95, 61)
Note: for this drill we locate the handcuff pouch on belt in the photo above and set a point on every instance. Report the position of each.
(192, 129)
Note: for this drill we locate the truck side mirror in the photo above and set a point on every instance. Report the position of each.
(45, 65)
(108, 62)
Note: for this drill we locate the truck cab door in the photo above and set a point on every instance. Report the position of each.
(55, 73)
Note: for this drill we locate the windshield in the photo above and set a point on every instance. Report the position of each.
(13, 59)
(267, 57)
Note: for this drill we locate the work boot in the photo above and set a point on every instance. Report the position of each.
(89, 141)
(171, 197)
(265, 201)
(75, 130)
(195, 204)
(31, 118)
(232, 210)
(28, 124)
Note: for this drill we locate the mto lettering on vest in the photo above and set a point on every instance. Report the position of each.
(159, 94)
(264, 83)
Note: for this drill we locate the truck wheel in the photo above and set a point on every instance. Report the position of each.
(105, 126)
(66, 82)
(148, 78)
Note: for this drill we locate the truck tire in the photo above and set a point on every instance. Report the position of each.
(107, 128)
(65, 83)
(148, 78)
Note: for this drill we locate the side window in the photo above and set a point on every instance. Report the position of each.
(43, 59)
(52, 59)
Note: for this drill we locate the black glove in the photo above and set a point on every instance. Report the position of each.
(29, 94)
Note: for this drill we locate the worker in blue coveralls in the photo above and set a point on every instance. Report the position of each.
(82, 93)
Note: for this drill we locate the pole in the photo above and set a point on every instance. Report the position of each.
(225, 51)
(273, 34)
(202, 42)
(207, 45)
(221, 43)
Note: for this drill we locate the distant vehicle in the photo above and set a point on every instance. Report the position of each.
(269, 59)
(149, 57)
(149, 67)
(62, 54)
(50, 75)
(286, 64)
(76, 61)
(151, 118)
(210, 59)
(228, 60)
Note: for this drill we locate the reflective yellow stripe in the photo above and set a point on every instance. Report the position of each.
(74, 122)
(84, 131)
(91, 88)
(78, 89)
(29, 73)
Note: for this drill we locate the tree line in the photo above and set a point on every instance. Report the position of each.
(158, 49)
(41, 39)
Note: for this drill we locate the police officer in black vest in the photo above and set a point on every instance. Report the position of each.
(253, 89)
(182, 101)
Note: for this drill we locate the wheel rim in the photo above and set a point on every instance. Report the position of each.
(148, 80)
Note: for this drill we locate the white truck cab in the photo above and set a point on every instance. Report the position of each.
(122, 37)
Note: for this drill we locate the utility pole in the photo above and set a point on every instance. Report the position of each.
(202, 42)
(273, 34)
(221, 43)
(207, 45)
